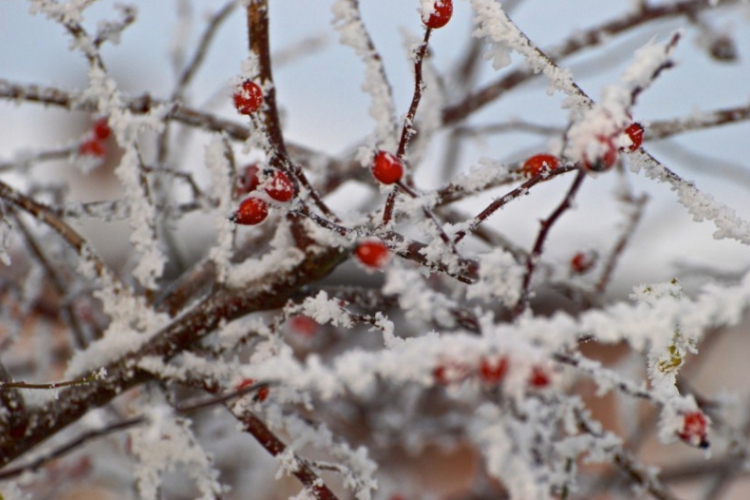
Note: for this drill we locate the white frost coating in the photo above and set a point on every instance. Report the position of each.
(416, 298)
(282, 257)
(500, 277)
(164, 443)
(700, 205)
(348, 21)
(493, 24)
(499, 440)
(325, 310)
(221, 189)
(608, 117)
(126, 127)
(644, 326)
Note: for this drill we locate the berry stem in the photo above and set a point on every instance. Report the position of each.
(536, 253)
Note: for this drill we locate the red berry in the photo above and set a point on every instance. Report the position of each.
(373, 254)
(539, 378)
(245, 382)
(101, 129)
(635, 132)
(492, 371)
(304, 325)
(92, 147)
(604, 161)
(248, 98)
(537, 163)
(279, 187)
(387, 168)
(262, 394)
(252, 211)
(582, 262)
(694, 429)
(248, 181)
(443, 10)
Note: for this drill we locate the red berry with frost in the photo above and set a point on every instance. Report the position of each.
(248, 97)
(635, 133)
(537, 163)
(582, 262)
(252, 211)
(387, 168)
(449, 372)
(279, 187)
(373, 254)
(303, 325)
(539, 378)
(92, 147)
(443, 10)
(694, 429)
(605, 159)
(492, 370)
(101, 129)
(248, 181)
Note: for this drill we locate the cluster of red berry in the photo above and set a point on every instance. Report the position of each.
(608, 157)
(491, 372)
(254, 210)
(94, 145)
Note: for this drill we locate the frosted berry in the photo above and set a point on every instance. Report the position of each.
(449, 372)
(635, 133)
(101, 129)
(303, 325)
(248, 181)
(539, 378)
(537, 163)
(441, 14)
(92, 147)
(373, 254)
(248, 98)
(605, 159)
(387, 168)
(694, 429)
(582, 262)
(245, 382)
(279, 187)
(492, 370)
(252, 211)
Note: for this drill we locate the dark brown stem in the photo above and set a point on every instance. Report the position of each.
(536, 253)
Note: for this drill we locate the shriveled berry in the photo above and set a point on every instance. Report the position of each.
(694, 429)
(248, 98)
(373, 254)
(101, 129)
(635, 133)
(539, 377)
(443, 10)
(92, 147)
(252, 211)
(248, 181)
(537, 163)
(387, 168)
(492, 370)
(280, 187)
